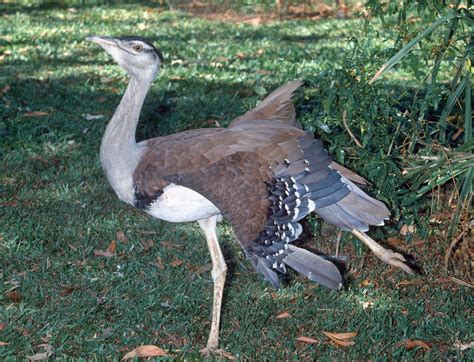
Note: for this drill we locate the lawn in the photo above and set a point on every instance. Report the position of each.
(58, 294)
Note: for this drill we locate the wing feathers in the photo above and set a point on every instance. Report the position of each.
(277, 107)
(313, 267)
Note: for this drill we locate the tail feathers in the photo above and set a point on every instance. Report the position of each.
(352, 176)
(268, 274)
(313, 267)
(277, 106)
(355, 211)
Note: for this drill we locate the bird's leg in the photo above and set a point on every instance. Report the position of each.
(219, 269)
(386, 255)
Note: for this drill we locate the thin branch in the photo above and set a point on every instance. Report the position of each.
(346, 126)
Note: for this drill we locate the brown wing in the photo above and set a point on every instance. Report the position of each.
(237, 185)
(230, 167)
(277, 106)
(264, 176)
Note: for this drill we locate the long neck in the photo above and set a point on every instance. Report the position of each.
(121, 129)
(119, 152)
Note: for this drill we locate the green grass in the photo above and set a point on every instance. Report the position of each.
(57, 207)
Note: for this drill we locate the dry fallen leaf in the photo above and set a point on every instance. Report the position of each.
(341, 339)
(407, 229)
(410, 344)
(283, 315)
(35, 114)
(3, 326)
(145, 351)
(176, 262)
(158, 263)
(24, 331)
(121, 237)
(109, 252)
(167, 244)
(408, 282)
(148, 244)
(68, 289)
(4, 344)
(306, 340)
(365, 283)
(394, 242)
(14, 296)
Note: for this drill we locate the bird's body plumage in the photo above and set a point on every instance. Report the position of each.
(263, 173)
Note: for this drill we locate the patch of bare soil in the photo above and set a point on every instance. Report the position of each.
(303, 11)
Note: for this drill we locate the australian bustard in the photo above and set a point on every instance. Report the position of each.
(263, 173)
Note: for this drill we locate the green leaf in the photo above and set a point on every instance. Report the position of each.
(449, 107)
(409, 46)
(468, 110)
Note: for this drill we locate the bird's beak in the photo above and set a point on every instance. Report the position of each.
(102, 40)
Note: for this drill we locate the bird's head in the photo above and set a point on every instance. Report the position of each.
(135, 54)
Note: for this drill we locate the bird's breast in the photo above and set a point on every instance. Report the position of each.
(181, 204)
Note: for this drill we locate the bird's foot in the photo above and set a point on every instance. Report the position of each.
(393, 258)
(386, 255)
(210, 351)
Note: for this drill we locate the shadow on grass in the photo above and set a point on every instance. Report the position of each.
(45, 6)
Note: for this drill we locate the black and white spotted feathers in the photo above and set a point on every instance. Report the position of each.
(304, 183)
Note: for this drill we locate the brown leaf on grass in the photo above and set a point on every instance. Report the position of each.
(24, 331)
(365, 283)
(410, 344)
(46, 338)
(341, 339)
(240, 55)
(145, 351)
(109, 252)
(394, 242)
(35, 114)
(4, 344)
(407, 229)
(121, 237)
(13, 296)
(176, 263)
(148, 244)
(68, 289)
(408, 282)
(158, 263)
(3, 326)
(167, 244)
(307, 340)
(283, 315)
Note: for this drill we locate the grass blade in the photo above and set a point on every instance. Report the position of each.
(449, 107)
(468, 110)
(409, 46)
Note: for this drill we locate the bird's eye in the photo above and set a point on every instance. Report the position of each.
(138, 47)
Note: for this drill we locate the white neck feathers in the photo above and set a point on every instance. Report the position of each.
(119, 152)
